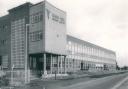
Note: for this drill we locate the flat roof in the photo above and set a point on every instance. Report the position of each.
(20, 6)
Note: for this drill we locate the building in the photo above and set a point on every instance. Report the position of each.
(83, 55)
(34, 43)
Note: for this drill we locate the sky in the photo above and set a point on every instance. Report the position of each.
(101, 22)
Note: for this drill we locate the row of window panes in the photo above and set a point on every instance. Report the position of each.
(84, 49)
(5, 61)
(18, 21)
(17, 54)
(20, 48)
(35, 36)
(19, 32)
(19, 43)
(89, 58)
(37, 17)
(83, 53)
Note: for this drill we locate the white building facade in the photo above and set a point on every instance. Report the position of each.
(83, 55)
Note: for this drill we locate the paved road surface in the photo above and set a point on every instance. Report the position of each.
(80, 83)
(124, 84)
(101, 83)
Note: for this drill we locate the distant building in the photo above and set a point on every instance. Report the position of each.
(34, 41)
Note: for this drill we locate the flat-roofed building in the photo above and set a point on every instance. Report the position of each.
(34, 42)
(83, 55)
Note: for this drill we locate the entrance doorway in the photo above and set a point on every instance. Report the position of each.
(36, 64)
(82, 66)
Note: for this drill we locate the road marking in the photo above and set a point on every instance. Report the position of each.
(120, 83)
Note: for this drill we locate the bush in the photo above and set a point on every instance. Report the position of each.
(4, 80)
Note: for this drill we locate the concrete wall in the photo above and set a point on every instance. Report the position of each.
(55, 30)
(36, 46)
(5, 34)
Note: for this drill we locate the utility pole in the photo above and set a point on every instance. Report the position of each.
(12, 74)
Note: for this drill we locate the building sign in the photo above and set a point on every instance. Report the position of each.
(55, 17)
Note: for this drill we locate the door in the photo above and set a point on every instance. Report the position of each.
(82, 65)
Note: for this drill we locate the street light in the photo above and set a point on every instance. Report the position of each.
(12, 74)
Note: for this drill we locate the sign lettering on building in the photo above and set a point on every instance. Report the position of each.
(55, 17)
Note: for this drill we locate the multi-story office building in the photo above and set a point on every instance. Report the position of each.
(33, 41)
(83, 55)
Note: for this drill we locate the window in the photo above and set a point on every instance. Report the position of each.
(4, 60)
(62, 21)
(35, 36)
(3, 28)
(55, 17)
(3, 42)
(37, 17)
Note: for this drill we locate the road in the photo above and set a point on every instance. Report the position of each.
(80, 83)
(101, 83)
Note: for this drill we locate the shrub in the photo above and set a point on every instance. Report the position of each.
(4, 81)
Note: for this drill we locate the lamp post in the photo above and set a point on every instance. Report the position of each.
(12, 74)
(73, 65)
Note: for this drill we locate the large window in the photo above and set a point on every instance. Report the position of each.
(5, 61)
(35, 36)
(3, 28)
(37, 17)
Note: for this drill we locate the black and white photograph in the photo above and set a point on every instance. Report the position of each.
(63, 44)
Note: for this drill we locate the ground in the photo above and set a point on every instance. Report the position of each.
(92, 82)
(103, 82)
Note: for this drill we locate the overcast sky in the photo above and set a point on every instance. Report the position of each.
(102, 22)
